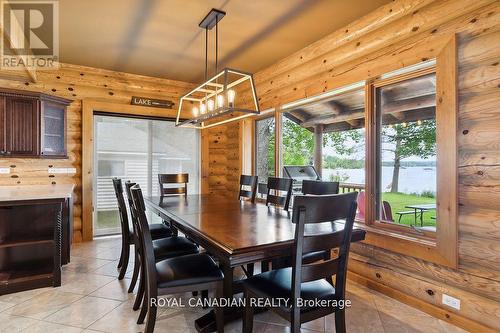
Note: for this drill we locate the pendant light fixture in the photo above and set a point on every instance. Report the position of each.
(228, 96)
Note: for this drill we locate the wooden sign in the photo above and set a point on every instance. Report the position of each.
(157, 103)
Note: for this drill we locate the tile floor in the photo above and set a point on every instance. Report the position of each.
(91, 299)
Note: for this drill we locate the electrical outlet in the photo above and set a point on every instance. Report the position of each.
(4, 171)
(451, 301)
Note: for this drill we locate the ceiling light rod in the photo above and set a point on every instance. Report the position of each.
(216, 99)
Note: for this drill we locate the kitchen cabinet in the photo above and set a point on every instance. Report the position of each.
(32, 125)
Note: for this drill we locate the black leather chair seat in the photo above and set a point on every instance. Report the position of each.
(173, 247)
(187, 270)
(313, 256)
(278, 284)
(158, 230)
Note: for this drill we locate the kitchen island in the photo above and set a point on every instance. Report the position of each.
(35, 235)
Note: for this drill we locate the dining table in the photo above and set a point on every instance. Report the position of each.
(235, 232)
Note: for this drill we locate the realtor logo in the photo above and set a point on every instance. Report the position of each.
(30, 34)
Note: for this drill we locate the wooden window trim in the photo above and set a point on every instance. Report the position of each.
(440, 247)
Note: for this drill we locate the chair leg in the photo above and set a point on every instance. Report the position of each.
(120, 261)
(340, 321)
(204, 297)
(264, 266)
(124, 265)
(219, 311)
(250, 269)
(151, 310)
(135, 275)
(140, 291)
(144, 309)
(248, 316)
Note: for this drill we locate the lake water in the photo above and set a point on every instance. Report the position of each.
(411, 179)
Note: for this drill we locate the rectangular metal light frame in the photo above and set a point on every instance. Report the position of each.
(211, 88)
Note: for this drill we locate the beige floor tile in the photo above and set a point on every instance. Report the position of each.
(112, 253)
(121, 319)
(271, 328)
(13, 324)
(44, 304)
(83, 283)
(85, 265)
(270, 318)
(109, 269)
(20, 297)
(116, 289)
(45, 327)
(83, 312)
(5, 305)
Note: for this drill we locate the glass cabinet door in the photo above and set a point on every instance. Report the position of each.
(53, 130)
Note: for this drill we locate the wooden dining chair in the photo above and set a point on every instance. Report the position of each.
(157, 230)
(274, 187)
(181, 274)
(319, 187)
(171, 179)
(308, 281)
(163, 248)
(248, 181)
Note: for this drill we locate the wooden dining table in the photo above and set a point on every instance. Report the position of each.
(235, 232)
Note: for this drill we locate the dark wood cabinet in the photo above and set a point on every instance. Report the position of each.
(22, 126)
(32, 125)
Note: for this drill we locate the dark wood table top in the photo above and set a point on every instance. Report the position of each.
(233, 227)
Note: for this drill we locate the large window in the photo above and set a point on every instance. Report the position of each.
(137, 150)
(265, 143)
(337, 124)
(393, 139)
(406, 154)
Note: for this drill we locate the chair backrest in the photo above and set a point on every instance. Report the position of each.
(122, 208)
(276, 185)
(250, 181)
(170, 179)
(319, 187)
(144, 237)
(387, 212)
(128, 186)
(308, 209)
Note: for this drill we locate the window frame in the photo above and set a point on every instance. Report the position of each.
(440, 247)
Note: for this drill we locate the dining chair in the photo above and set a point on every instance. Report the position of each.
(319, 187)
(274, 187)
(181, 274)
(163, 248)
(170, 180)
(307, 282)
(157, 230)
(248, 181)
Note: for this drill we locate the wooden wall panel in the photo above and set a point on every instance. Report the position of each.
(383, 41)
(77, 83)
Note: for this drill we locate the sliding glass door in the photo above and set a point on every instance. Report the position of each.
(137, 150)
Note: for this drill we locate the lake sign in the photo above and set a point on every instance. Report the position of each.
(157, 103)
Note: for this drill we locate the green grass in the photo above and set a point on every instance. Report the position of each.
(109, 219)
(398, 202)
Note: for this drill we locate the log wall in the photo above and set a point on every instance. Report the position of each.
(78, 83)
(398, 34)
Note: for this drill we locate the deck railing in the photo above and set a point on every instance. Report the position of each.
(350, 187)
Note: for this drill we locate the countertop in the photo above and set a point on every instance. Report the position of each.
(33, 192)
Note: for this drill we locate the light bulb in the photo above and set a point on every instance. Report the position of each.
(230, 97)
(419, 122)
(203, 108)
(195, 111)
(404, 124)
(210, 104)
(220, 101)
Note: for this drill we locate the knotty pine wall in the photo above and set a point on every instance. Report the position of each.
(78, 83)
(398, 34)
